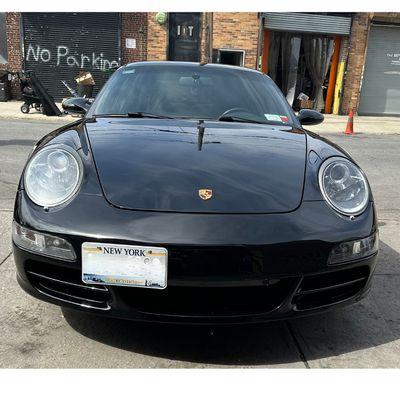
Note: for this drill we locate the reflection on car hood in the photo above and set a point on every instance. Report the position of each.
(162, 164)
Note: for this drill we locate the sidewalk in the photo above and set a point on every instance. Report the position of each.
(11, 110)
(332, 123)
(362, 125)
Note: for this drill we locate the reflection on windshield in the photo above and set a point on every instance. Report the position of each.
(193, 91)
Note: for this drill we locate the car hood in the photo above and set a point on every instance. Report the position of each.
(161, 165)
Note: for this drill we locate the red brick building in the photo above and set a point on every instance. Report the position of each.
(14, 55)
(324, 56)
(56, 46)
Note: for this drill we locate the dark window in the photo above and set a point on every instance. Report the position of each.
(231, 57)
(3, 39)
(193, 91)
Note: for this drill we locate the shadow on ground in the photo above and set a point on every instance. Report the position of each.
(358, 327)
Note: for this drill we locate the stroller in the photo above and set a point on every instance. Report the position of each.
(31, 99)
(36, 96)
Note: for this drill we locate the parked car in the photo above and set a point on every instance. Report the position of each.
(192, 193)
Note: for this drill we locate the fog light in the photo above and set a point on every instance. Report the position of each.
(42, 243)
(348, 251)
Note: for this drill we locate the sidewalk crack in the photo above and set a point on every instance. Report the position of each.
(297, 344)
(6, 258)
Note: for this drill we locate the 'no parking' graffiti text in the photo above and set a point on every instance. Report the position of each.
(62, 56)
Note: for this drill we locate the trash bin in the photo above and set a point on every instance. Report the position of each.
(85, 83)
(5, 87)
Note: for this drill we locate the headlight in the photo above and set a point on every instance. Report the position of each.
(343, 186)
(53, 175)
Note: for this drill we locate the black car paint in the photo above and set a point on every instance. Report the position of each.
(158, 166)
(310, 117)
(208, 251)
(289, 244)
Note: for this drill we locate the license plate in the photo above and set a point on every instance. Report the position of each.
(121, 265)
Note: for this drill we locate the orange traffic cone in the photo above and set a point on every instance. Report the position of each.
(349, 126)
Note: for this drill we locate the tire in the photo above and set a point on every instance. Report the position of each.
(25, 108)
(41, 109)
(37, 107)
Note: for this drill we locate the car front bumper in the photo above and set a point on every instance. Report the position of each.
(221, 269)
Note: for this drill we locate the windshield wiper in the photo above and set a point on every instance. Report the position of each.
(136, 114)
(232, 118)
(140, 114)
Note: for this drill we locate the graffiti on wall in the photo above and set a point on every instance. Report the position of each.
(62, 56)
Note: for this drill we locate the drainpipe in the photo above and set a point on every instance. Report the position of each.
(259, 44)
(369, 23)
(210, 33)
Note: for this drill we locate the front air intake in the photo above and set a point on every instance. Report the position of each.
(330, 288)
(65, 284)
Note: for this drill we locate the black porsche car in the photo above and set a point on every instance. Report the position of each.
(192, 193)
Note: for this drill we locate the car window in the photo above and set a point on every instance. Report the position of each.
(193, 92)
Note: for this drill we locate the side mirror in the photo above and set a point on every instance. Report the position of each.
(76, 105)
(310, 117)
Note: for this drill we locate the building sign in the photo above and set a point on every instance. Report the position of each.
(184, 30)
(130, 43)
(394, 58)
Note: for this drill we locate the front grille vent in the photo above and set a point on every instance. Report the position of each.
(330, 288)
(209, 301)
(65, 284)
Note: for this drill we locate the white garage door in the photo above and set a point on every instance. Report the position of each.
(380, 91)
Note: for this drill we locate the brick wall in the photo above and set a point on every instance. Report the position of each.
(14, 63)
(134, 25)
(157, 39)
(230, 30)
(355, 64)
(237, 30)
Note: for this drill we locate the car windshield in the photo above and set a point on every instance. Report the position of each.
(193, 91)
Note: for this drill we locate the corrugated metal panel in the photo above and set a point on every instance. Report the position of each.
(59, 45)
(380, 92)
(309, 23)
(3, 39)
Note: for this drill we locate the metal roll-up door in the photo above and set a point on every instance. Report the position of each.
(57, 46)
(380, 91)
(307, 23)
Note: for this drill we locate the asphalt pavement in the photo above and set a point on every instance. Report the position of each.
(38, 335)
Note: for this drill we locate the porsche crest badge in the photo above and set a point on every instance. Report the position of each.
(205, 194)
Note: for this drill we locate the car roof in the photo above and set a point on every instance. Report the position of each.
(192, 64)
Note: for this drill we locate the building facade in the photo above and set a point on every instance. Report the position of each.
(372, 84)
(58, 46)
(332, 62)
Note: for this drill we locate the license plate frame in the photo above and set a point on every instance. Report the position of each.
(124, 265)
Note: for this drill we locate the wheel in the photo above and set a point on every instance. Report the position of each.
(37, 107)
(41, 109)
(25, 108)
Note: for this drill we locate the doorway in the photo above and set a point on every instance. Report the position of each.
(300, 63)
(184, 37)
